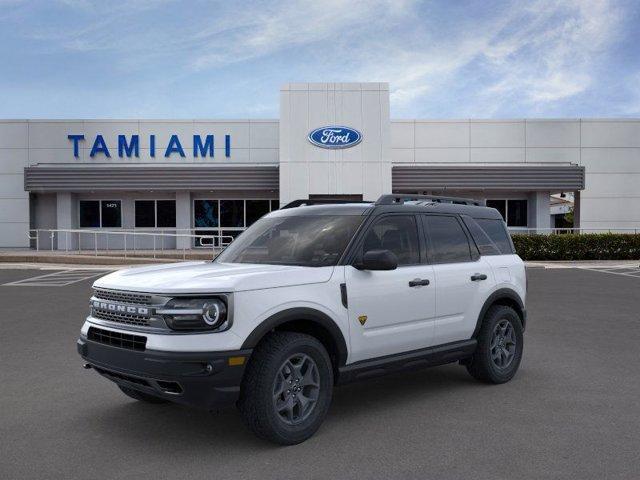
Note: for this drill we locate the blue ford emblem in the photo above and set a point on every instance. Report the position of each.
(335, 136)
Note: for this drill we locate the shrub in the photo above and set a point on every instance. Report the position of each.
(586, 246)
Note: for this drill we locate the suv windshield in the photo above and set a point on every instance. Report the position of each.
(310, 241)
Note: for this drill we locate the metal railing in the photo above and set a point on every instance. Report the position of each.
(128, 241)
(560, 231)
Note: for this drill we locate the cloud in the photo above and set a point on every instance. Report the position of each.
(469, 58)
(285, 25)
(544, 52)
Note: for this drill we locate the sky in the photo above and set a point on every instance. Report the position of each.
(228, 59)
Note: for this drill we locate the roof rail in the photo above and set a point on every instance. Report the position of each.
(319, 201)
(391, 199)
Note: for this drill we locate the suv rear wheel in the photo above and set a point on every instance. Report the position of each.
(500, 345)
(287, 388)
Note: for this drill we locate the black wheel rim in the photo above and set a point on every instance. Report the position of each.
(503, 344)
(296, 389)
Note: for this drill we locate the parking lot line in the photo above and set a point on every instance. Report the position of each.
(622, 270)
(58, 279)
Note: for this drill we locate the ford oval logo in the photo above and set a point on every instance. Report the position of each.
(335, 136)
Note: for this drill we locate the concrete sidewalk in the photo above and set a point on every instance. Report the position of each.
(584, 264)
(88, 257)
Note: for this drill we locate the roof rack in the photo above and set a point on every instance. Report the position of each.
(399, 199)
(319, 201)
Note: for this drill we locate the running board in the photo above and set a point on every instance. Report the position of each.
(426, 357)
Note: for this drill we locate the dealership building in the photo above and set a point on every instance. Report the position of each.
(207, 176)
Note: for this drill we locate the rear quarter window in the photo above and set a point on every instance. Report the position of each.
(496, 230)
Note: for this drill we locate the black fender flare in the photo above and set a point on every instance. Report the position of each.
(305, 314)
(511, 296)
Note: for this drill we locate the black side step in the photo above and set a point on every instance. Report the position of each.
(426, 357)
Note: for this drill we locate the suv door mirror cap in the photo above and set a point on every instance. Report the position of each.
(378, 260)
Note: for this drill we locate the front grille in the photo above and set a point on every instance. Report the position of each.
(117, 339)
(123, 297)
(126, 318)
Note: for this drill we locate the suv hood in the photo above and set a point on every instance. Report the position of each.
(207, 277)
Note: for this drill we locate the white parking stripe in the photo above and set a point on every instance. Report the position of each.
(58, 279)
(622, 270)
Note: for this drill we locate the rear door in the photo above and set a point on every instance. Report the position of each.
(390, 311)
(463, 279)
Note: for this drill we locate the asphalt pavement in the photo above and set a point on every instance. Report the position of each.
(572, 411)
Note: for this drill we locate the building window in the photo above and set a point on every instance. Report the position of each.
(155, 213)
(230, 216)
(205, 213)
(90, 214)
(145, 213)
(100, 213)
(255, 210)
(517, 213)
(232, 213)
(514, 212)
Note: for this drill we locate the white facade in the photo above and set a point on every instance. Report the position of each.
(609, 150)
(306, 169)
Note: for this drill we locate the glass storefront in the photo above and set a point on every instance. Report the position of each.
(226, 217)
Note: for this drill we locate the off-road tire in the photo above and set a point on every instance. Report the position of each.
(141, 396)
(481, 365)
(257, 404)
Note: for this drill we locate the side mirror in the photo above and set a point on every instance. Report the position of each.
(378, 260)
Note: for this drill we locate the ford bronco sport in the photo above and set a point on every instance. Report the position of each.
(310, 297)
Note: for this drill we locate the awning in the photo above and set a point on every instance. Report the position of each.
(65, 178)
(482, 177)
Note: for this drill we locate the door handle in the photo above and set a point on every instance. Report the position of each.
(478, 276)
(418, 282)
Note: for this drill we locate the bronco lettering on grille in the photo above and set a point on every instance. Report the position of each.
(118, 308)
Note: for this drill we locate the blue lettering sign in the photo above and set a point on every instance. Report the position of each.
(99, 147)
(152, 146)
(174, 147)
(128, 149)
(335, 136)
(75, 139)
(130, 146)
(198, 147)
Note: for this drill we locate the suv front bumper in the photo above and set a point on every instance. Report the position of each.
(200, 379)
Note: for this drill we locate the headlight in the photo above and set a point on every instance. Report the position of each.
(195, 314)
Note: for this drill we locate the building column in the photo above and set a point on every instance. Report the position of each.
(576, 209)
(66, 218)
(183, 219)
(539, 211)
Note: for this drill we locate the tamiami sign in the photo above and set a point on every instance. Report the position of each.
(129, 146)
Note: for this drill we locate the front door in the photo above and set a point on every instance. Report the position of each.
(391, 311)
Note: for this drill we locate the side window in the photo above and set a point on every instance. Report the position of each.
(397, 233)
(448, 242)
(486, 246)
(497, 232)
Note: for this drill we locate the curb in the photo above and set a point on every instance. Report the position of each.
(84, 260)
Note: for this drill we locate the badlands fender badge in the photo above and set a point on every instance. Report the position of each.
(362, 319)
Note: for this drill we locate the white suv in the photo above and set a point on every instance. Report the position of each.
(309, 297)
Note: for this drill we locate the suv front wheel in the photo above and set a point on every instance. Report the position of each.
(500, 345)
(287, 388)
